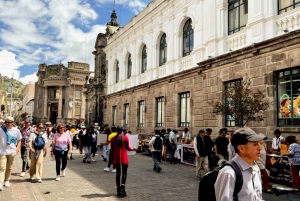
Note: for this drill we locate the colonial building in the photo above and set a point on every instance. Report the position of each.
(170, 60)
(28, 101)
(59, 96)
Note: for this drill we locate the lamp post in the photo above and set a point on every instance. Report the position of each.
(11, 94)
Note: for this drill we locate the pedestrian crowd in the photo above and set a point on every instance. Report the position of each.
(245, 150)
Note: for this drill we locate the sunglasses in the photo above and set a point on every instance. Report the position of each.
(8, 122)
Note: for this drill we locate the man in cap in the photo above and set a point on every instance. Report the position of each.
(276, 142)
(246, 144)
(202, 147)
(10, 144)
(25, 151)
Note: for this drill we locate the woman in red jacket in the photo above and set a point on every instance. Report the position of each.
(119, 147)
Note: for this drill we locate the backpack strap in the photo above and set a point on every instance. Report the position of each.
(238, 178)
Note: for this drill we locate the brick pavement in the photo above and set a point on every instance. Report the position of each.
(90, 182)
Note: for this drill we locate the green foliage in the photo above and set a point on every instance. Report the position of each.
(242, 103)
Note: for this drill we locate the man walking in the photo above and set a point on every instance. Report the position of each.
(25, 151)
(221, 144)
(202, 149)
(106, 147)
(10, 144)
(156, 144)
(247, 149)
(173, 145)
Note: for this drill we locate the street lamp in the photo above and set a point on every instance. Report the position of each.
(11, 84)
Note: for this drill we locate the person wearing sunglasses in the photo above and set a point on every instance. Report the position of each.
(37, 152)
(10, 144)
(61, 145)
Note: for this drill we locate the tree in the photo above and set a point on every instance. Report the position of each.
(241, 103)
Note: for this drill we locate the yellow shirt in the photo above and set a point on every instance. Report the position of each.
(110, 137)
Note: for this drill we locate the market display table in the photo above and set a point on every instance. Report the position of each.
(188, 155)
(279, 169)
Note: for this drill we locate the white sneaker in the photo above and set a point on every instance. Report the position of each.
(22, 174)
(7, 184)
(57, 178)
(63, 173)
(114, 170)
(39, 181)
(106, 169)
(1, 187)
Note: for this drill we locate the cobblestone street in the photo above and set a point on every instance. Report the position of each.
(90, 182)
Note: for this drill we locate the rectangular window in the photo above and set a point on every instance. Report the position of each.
(114, 115)
(77, 110)
(237, 15)
(141, 113)
(184, 109)
(288, 97)
(286, 5)
(78, 95)
(126, 115)
(160, 107)
(230, 119)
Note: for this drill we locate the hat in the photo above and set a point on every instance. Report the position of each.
(209, 130)
(244, 135)
(186, 129)
(163, 130)
(82, 126)
(277, 131)
(9, 119)
(201, 130)
(175, 130)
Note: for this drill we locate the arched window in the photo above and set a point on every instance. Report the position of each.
(117, 72)
(129, 66)
(162, 50)
(144, 59)
(188, 38)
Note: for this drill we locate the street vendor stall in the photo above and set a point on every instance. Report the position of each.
(279, 169)
(188, 155)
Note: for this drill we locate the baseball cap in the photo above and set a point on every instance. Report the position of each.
(82, 126)
(208, 130)
(9, 119)
(244, 135)
(201, 130)
(27, 120)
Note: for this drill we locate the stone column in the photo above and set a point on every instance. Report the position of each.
(60, 103)
(45, 103)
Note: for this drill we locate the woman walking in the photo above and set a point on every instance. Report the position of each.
(119, 146)
(87, 142)
(60, 143)
(294, 160)
(38, 147)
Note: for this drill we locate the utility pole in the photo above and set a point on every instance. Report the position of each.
(11, 92)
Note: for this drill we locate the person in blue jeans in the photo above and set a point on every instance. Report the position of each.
(106, 131)
(87, 143)
(173, 145)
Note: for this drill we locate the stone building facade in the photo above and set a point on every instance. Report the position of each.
(28, 100)
(59, 93)
(170, 60)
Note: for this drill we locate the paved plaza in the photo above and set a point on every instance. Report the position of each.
(90, 182)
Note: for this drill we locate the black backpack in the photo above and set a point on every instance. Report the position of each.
(206, 187)
(157, 145)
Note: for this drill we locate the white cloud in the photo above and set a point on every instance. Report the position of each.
(9, 65)
(29, 78)
(135, 6)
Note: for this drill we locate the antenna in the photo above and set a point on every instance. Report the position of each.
(114, 4)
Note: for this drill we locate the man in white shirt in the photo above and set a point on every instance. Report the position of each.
(156, 151)
(276, 142)
(10, 144)
(247, 149)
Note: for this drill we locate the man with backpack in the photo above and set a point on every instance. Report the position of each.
(243, 183)
(156, 144)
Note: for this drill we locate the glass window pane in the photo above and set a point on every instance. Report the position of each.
(285, 3)
(183, 110)
(188, 109)
(77, 110)
(243, 14)
(284, 94)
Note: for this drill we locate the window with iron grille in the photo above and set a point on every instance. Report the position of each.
(141, 113)
(237, 15)
(286, 5)
(126, 115)
(114, 115)
(129, 66)
(162, 50)
(117, 72)
(184, 119)
(144, 59)
(188, 38)
(160, 108)
(230, 119)
(288, 97)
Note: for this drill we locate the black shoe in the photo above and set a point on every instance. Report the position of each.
(72, 158)
(83, 161)
(158, 170)
(102, 157)
(119, 191)
(122, 191)
(104, 160)
(154, 168)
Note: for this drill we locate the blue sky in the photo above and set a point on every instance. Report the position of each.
(54, 31)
